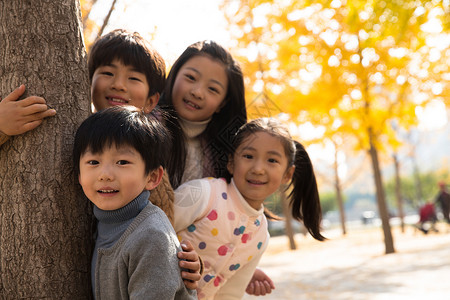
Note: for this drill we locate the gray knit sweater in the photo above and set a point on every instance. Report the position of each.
(135, 254)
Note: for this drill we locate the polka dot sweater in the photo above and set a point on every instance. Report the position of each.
(225, 230)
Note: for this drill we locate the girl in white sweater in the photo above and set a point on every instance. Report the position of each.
(224, 218)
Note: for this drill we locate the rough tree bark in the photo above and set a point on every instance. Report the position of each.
(45, 222)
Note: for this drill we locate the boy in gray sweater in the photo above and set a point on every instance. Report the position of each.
(119, 155)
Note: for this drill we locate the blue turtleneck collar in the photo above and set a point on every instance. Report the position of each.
(129, 211)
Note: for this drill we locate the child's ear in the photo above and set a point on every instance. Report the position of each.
(151, 103)
(230, 165)
(154, 178)
(288, 174)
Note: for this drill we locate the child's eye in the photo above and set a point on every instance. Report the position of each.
(248, 156)
(135, 78)
(92, 162)
(107, 73)
(123, 162)
(189, 76)
(273, 160)
(214, 90)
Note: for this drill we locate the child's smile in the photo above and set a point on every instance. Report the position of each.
(256, 182)
(108, 192)
(116, 100)
(191, 104)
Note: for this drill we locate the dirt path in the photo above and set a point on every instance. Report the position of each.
(355, 266)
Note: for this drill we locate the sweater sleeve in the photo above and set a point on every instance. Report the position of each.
(191, 201)
(235, 286)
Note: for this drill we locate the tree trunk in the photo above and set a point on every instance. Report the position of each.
(398, 193)
(288, 221)
(337, 185)
(45, 222)
(381, 199)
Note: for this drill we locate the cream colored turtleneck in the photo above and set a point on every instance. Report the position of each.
(194, 152)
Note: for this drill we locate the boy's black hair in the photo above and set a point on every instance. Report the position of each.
(131, 49)
(223, 125)
(123, 125)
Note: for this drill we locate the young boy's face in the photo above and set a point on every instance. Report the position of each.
(119, 84)
(115, 177)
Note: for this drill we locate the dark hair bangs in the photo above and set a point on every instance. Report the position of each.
(127, 53)
(132, 50)
(118, 126)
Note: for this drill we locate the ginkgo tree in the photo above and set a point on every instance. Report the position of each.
(350, 66)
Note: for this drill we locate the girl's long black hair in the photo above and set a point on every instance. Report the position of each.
(218, 135)
(304, 197)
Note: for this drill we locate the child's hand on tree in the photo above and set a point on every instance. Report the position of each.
(260, 284)
(190, 261)
(17, 117)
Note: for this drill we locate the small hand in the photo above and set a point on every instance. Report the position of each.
(17, 117)
(260, 284)
(189, 260)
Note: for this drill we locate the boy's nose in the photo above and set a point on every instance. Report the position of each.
(119, 84)
(106, 174)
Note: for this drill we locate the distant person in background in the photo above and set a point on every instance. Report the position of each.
(428, 218)
(443, 199)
